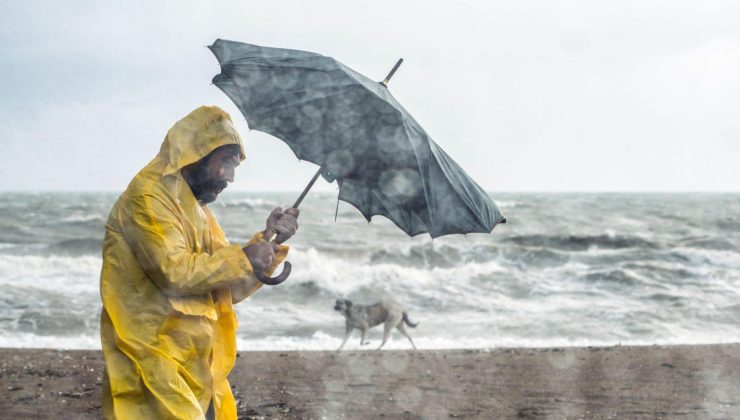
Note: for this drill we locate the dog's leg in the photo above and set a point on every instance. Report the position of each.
(346, 337)
(362, 339)
(402, 328)
(387, 327)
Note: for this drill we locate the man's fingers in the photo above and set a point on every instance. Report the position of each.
(290, 220)
(262, 255)
(287, 221)
(284, 229)
(293, 212)
(272, 219)
(275, 215)
(284, 233)
(283, 223)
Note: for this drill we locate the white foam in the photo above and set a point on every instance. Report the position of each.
(502, 203)
(342, 276)
(34, 266)
(324, 341)
(715, 258)
(33, 341)
(250, 202)
(56, 274)
(81, 218)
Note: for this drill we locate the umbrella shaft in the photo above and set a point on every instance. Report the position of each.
(308, 187)
(300, 198)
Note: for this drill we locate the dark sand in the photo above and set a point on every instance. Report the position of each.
(599, 382)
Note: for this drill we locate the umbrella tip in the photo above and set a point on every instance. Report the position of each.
(393, 70)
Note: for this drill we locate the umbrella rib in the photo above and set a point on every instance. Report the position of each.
(454, 187)
(369, 215)
(418, 165)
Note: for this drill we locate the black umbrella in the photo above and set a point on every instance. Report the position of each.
(359, 135)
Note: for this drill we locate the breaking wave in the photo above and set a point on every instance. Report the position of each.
(635, 269)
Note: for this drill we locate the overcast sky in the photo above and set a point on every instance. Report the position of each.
(524, 95)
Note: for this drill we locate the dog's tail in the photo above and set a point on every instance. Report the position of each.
(408, 321)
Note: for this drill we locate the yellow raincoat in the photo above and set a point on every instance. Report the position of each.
(167, 325)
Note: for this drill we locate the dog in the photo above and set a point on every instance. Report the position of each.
(385, 312)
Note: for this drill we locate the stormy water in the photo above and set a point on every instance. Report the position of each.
(567, 269)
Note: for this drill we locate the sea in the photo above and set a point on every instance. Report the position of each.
(568, 269)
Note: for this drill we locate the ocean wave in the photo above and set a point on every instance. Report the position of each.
(729, 224)
(420, 256)
(662, 270)
(250, 203)
(341, 277)
(533, 258)
(569, 242)
(507, 204)
(700, 257)
(35, 270)
(708, 242)
(619, 276)
(17, 234)
(76, 247)
(83, 218)
(577, 270)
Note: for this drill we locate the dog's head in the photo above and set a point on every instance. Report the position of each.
(342, 305)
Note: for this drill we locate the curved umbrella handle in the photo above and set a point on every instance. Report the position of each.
(273, 281)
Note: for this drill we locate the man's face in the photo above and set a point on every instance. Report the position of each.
(210, 175)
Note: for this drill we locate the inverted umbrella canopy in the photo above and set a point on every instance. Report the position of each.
(358, 133)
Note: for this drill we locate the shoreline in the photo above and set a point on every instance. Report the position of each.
(574, 382)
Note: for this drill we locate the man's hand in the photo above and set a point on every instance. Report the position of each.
(285, 224)
(261, 255)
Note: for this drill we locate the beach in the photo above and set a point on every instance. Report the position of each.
(698, 381)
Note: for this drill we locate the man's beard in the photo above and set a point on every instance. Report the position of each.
(205, 188)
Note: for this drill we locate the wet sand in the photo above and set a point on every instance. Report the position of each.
(599, 382)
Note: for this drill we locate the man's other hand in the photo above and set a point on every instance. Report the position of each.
(261, 255)
(285, 224)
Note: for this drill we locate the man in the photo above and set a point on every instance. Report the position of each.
(169, 278)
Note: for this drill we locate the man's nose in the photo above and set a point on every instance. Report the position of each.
(229, 174)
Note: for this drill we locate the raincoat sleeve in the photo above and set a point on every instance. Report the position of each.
(156, 236)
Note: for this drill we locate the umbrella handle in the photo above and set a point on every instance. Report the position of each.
(272, 281)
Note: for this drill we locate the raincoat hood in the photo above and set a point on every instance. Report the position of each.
(195, 136)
